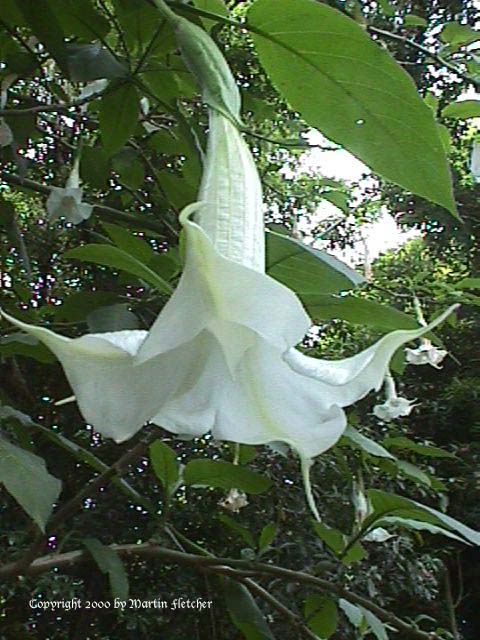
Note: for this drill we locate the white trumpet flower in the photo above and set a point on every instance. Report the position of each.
(394, 406)
(67, 201)
(220, 357)
(426, 353)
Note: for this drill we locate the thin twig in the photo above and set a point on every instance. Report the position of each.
(58, 107)
(435, 57)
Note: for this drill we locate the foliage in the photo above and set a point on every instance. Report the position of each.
(103, 83)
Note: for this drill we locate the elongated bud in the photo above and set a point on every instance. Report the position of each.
(232, 215)
(205, 61)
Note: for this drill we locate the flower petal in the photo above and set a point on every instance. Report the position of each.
(215, 290)
(346, 381)
(113, 395)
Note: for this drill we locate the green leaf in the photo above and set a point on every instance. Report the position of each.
(387, 8)
(468, 283)
(88, 62)
(129, 167)
(25, 476)
(77, 306)
(79, 18)
(462, 110)
(306, 270)
(357, 310)
(115, 317)
(413, 472)
(165, 464)
(239, 529)
(224, 475)
(366, 444)
(334, 539)
(46, 28)
(457, 35)
(413, 20)
(94, 167)
(244, 612)
(401, 442)
(109, 562)
(132, 244)
(322, 615)
(267, 535)
(377, 627)
(385, 504)
(109, 256)
(415, 525)
(212, 6)
(363, 100)
(353, 613)
(118, 117)
(25, 345)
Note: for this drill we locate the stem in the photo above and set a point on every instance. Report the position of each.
(435, 57)
(241, 569)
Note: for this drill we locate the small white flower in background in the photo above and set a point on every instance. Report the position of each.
(394, 407)
(234, 501)
(66, 201)
(475, 161)
(378, 535)
(426, 353)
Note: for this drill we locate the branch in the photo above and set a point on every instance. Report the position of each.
(240, 568)
(59, 107)
(435, 57)
(109, 213)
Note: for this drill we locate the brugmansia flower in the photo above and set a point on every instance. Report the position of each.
(394, 406)
(426, 353)
(67, 201)
(220, 357)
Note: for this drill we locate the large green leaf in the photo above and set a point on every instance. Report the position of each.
(109, 562)
(116, 258)
(244, 612)
(224, 475)
(357, 310)
(26, 478)
(118, 117)
(386, 504)
(306, 270)
(328, 69)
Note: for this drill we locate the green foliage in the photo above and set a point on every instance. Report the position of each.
(358, 109)
(224, 475)
(25, 477)
(141, 136)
